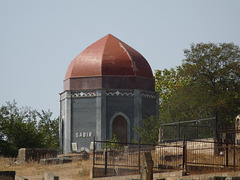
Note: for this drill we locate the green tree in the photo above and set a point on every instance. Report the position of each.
(148, 131)
(19, 128)
(168, 83)
(49, 129)
(207, 84)
(214, 88)
(113, 143)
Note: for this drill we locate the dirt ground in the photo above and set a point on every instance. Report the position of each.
(34, 171)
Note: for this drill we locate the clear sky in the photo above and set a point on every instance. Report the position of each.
(39, 38)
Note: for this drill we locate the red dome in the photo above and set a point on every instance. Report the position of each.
(109, 56)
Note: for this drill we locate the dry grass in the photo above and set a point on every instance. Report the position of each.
(35, 171)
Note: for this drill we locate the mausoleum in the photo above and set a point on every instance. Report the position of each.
(108, 88)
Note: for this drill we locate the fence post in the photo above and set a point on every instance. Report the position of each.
(197, 130)
(139, 168)
(106, 161)
(226, 150)
(179, 130)
(234, 154)
(184, 173)
(184, 153)
(93, 155)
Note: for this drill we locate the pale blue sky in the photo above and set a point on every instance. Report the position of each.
(39, 38)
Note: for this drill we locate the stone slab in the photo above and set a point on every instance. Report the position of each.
(50, 176)
(35, 154)
(20, 178)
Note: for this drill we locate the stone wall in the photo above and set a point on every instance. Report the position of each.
(35, 154)
(83, 119)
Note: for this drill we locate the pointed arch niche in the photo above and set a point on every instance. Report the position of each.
(120, 125)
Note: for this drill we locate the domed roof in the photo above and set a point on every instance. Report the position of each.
(109, 56)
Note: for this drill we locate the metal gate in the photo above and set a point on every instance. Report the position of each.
(205, 155)
(127, 158)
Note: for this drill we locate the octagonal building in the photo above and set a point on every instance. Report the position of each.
(108, 88)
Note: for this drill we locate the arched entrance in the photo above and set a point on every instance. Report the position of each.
(119, 127)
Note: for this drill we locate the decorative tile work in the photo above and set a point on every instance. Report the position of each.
(84, 94)
(119, 93)
(148, 95)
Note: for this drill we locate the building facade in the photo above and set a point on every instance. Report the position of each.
(108, 89)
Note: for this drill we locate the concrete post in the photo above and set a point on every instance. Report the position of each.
(160, 135)
(67, 123)
(237, 130)
(101, 116)
(147, 167)
(137, 110)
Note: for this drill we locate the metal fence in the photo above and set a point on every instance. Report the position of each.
(192, 129)
(116, 161)
(205, 155)
(212, 156)
(128, 158)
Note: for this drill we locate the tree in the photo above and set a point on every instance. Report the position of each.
(214, 88)
(49, 129)
(19, 128)
(168, 83)
(207, 84)
(148, 131)
(112, 144)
